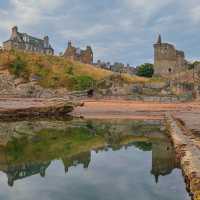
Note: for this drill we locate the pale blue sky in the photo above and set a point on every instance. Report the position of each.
(117, 30)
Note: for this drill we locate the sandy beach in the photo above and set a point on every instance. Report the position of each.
(132, 109)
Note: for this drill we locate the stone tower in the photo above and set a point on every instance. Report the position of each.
(167, 60)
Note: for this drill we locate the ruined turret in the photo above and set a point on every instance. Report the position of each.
(159, 41)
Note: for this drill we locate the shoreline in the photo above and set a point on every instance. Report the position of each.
(89, 108)
(182, 119)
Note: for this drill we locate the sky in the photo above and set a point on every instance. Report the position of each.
(117, 30)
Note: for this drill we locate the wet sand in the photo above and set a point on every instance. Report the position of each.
(131, 109)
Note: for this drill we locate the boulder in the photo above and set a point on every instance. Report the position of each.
(156, 85)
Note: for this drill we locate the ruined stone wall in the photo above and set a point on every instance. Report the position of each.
(25, 42)
(87, 56)
(8, 45)
(70, 53)
(84, 56)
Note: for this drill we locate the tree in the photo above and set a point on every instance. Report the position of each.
(194, 64)
(18, 67)
(146, 70)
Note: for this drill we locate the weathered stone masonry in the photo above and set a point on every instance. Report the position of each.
(25, 42)
(76, 54)
(168, 60)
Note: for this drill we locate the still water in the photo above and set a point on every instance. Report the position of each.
(87, 160)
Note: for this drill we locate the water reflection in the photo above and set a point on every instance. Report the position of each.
(28, 169)
(30, 147)
(163, 159)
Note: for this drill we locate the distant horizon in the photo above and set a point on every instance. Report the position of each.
(117, 31)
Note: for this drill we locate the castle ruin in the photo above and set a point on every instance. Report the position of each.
(76, 54)
(168, 60)
(25, 42)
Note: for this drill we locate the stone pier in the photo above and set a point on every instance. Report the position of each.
(187, 152)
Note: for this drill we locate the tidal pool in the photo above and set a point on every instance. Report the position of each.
(88, 159)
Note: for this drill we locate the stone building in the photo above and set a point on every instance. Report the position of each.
(76, 54)
(168, 60)
(25, 42)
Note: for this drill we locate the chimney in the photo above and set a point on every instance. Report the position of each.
(46, 41)
(69, 44)
(14, 32)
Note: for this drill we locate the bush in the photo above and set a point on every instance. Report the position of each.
(18, 67)
(70, 71)
(83, 82)
(146, 70)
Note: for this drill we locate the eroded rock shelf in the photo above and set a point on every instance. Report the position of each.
(26, 107)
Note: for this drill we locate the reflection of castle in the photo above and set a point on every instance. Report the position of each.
(82, 158)
(163, 159)
(25, 170)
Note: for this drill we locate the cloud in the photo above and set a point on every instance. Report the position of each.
(88, 32)
(28, 12)
(117, 30)
(147, 8)
(195, 14)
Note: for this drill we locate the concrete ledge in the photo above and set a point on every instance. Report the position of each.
(187, 153)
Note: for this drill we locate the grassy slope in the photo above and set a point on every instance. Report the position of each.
(55, 72)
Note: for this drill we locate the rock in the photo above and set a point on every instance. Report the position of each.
(18, 87)
(19, 108)
(156, 85)
(137, 88)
